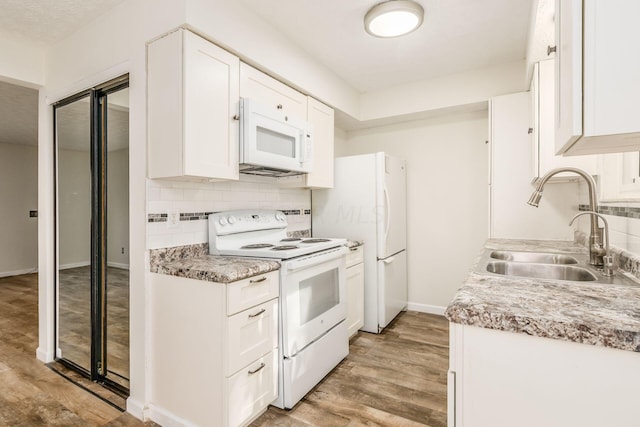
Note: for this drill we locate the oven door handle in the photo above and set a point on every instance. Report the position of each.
(309, 261)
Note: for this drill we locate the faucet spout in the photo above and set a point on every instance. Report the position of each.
(595, 238)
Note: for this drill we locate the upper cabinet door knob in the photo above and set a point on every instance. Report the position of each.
(550, 50)
(279, 106)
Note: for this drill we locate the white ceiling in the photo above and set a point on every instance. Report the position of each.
(48, 21)
(456, 36)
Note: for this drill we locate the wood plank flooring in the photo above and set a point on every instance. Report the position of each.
(397, 378)
(31, 394)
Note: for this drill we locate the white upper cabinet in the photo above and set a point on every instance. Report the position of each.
(255, 84)
(597, 68)
(543, 112)
(321, 118)
(193, 95)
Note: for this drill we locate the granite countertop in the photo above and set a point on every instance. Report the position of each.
(193, 262)
(585, 312)
(354, 243)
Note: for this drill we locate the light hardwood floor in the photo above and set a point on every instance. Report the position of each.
(31, 394)
(397, 378)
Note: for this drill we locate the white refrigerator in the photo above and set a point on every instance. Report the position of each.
(368, 202)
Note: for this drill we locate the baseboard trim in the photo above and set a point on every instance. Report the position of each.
(118, 265)
(18, 272)
(167, 419)
(426, 308)
(136, 408)
(74, 265)
(44, 356)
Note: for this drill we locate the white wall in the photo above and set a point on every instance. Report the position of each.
(446, 197)
(19, 195)
(22, 63)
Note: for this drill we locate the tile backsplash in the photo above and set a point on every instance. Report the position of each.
(191, 202)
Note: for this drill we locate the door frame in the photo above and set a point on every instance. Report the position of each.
(98, 154)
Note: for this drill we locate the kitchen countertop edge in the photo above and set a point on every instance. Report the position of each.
(596, 314)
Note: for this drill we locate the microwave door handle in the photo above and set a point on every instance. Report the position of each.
(303, 147)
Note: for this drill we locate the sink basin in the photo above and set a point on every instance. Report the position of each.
(541, 271)
(537, 257)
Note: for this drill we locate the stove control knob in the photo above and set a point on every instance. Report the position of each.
(223, 221)
(232, 219)
(280, 216)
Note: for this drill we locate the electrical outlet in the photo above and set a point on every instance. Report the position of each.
(173, 220)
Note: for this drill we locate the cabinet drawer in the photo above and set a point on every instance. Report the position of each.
(251, 334)
(252, 291)
(252, 389)
(355, 256)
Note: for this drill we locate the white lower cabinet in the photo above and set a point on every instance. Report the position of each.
(213, 350)
(355, 289)
(506, 379)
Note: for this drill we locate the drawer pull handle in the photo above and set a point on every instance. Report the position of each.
(354, 248)
(262, 279)
(258, 369)
(258, 313)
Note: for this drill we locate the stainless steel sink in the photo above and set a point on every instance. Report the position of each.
(541, 271)
(535, 257)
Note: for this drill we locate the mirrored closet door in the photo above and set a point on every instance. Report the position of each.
(92, 164)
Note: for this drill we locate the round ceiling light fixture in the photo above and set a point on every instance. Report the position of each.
(393, 18)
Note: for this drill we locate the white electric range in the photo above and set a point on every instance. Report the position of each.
(313, 335)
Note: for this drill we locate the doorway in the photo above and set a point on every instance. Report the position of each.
(92, 205)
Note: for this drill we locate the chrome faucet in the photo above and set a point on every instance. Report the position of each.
(608, 267)
(596, 251)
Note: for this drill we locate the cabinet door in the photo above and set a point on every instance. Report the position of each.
(355, 298)
(211, 95)
(192, 96)
(543, 134)
(568, 90)
(268, 91)
(321, 118)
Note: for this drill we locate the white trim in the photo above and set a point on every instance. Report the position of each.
(118, 265)
(44, 356)
(98, 78)
(167, 419)
(137, 409)
(18, 272)
(74, 265)
(426, 308)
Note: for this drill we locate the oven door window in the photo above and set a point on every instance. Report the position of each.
(318, 295)
(313, 300)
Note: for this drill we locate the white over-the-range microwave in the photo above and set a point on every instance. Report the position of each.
(272, 142)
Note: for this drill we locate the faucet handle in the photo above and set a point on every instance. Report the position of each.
(608, 268)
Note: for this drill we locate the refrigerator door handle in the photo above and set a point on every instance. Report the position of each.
(389, 260)
(388, 209)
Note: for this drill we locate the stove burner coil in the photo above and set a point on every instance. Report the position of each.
(257, 246)
(291, 239)
(315, 240)
(284, 247)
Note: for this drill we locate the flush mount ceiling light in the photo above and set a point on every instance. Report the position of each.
(393, 18)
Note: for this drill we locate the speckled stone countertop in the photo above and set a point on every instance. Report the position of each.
(585, 312)
(354, 243)
(193, 262)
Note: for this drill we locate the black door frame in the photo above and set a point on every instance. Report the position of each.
(98, 154)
